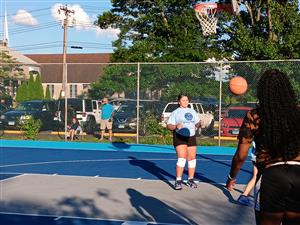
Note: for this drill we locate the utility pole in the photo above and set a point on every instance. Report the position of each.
(67, 13)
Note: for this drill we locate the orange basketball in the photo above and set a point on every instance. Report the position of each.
(238, 85)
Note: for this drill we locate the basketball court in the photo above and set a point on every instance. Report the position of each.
(93, 183)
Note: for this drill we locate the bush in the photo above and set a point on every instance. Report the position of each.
(152, 127)
(30, 128)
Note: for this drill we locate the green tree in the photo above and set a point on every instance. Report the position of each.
(48, 94)
(20, 94)
(10, 72)
(264, 30)
(31, 89)
(158, 30)
(39, 92)
(168, 31)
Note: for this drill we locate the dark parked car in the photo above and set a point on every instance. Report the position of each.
(37, 109)
(125, 118)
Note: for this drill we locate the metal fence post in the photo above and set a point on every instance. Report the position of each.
(138, 103)
(220, 103)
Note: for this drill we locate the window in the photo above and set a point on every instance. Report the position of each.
(51, 89)
(73, 91)
(88, 105)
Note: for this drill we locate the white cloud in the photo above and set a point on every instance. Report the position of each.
(81, 20)
(109, 33)
(25, 18)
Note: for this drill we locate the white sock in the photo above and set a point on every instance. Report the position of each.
(178, 178)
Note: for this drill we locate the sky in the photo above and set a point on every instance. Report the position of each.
(35, 26)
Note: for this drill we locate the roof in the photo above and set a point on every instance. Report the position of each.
(80, 72)
(18, 56)
(71, 58)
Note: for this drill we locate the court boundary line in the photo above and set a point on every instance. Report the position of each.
(103, 160)
(57, 217)
(112, 178)
(14, 177)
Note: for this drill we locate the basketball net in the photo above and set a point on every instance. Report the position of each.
(207, 14)
(208, 19)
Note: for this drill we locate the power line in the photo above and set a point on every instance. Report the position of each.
(29, 11)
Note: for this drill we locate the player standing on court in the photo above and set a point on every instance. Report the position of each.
(183, 122)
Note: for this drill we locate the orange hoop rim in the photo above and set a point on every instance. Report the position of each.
(204, 7)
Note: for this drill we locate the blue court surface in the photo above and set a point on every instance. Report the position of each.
(112, 161)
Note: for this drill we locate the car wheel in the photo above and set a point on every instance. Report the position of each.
(91, 125)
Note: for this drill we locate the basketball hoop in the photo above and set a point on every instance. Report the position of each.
(208, 13)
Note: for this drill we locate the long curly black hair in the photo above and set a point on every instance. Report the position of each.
(280, 114)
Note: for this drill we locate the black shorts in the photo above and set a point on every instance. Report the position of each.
(278, 189)
(183, 140)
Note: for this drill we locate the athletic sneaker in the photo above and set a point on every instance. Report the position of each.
(177, 185)
(191, 183)
(244, 200)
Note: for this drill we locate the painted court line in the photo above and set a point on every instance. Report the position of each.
(103, 160)
(108, 178)
(57, 217)
(11, 178)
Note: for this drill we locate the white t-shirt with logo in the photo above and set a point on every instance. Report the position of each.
(187, 117)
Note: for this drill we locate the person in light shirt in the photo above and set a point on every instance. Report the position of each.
(184, 122)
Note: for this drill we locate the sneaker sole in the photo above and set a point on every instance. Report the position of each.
(177, 189)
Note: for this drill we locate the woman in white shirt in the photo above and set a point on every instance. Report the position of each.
(184, 122)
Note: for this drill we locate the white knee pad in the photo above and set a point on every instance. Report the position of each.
(181, 162)
(192, 163)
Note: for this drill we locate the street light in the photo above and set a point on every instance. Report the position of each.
(77, 47)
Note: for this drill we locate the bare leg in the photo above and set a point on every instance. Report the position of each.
(72, 135)
(191, 155)
(181, 151)
(102, 134)
(251, 183)
(110, 135)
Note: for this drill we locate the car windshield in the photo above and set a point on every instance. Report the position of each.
(127, 109)
(237, 113)
(171, 107)
(29, 106)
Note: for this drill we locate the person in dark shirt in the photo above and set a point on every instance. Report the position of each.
(275, 127)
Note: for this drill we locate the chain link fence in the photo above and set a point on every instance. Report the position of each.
(144, 95)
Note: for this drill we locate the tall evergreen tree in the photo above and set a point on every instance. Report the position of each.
(48, 94)
(31, 89)
(39, 88)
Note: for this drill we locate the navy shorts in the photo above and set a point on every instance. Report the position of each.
(278, 189)
(183, 140)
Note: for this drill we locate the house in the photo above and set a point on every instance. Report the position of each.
(82, 70)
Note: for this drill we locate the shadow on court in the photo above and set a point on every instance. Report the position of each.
(121, 145)
(153, 169)
(152, 209)
(222, 163)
